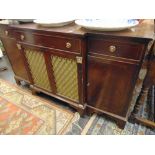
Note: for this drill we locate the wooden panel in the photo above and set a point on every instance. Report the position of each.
(50, 41)
(127, 50)
(110, 85)
(15, 58)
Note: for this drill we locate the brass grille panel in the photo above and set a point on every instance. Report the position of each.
(65, 73)
(37, 67)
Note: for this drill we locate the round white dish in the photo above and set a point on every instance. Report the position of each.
(53, 22)
(107, 25)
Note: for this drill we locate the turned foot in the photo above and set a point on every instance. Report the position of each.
(121, 124)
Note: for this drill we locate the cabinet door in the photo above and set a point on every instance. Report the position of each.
(55, 71)
(36, 66)
(66, 74)
(15, 58)
(110, 85)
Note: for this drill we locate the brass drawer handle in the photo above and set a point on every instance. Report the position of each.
(19, 46)
(68, 45)
(22, 37)
(112, 48)
(6, 33)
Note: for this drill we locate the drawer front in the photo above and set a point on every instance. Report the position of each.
(5, 31)
(62, 43)
(115, 48)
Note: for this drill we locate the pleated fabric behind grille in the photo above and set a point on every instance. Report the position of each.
(37, 67)
(65, 73)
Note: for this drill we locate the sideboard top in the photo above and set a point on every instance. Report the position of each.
(71, 29)
(144, 30)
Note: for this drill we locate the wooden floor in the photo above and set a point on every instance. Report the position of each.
(90, 125)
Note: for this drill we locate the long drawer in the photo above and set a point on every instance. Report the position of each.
(56, 42)
(115, 48)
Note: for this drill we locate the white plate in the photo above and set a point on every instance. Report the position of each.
(53, 22)
(107, 25)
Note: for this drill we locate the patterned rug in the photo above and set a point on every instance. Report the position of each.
(101, 125)
(24, 114)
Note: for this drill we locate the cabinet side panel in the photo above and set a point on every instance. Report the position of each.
(15, 58)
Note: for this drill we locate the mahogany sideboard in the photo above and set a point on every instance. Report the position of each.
(92, 71)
